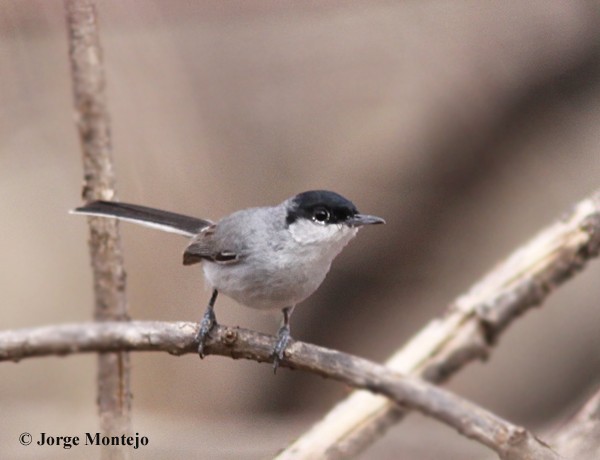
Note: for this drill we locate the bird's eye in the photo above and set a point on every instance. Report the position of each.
(321, 215)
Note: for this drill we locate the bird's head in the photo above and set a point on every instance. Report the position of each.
(321, 216)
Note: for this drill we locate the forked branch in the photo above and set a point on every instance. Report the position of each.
(465, 332)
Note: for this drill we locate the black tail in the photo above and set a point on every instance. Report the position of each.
(155, 218)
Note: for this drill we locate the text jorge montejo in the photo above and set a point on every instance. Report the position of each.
(92, 439)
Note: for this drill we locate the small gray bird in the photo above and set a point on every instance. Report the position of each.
(265, 258)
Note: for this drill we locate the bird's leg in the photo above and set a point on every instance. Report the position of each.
(283, 338)
(209, 320)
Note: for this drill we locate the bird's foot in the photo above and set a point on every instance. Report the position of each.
(283, 338)
(209, 320)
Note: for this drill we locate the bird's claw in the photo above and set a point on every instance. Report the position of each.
(208, 321)
(283, 338)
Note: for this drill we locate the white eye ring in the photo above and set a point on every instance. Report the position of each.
(321, 216)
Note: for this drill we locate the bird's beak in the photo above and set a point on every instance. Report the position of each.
(359, 220)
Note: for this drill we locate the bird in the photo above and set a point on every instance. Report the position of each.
(266, 258)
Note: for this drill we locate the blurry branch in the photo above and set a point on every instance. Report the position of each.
(114, 398)
(580, 437)
(509, 441)
(465, 332)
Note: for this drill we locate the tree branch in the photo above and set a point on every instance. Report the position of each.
(509, 441)
(114, 398)
(466, 331)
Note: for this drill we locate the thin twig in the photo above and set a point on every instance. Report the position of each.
(114, 399)
(466, 331)
(580, 437)
(509, 441)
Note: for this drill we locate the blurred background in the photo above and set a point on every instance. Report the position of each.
(468, 125)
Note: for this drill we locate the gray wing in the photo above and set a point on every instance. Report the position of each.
(242, 234)
(205, 247)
